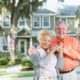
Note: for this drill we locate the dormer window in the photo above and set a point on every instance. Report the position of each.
(21, 22)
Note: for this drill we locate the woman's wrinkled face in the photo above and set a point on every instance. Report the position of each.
(45, 42)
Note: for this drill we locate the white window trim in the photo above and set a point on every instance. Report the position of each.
(43, 22)
(2, 46)
(24, 24)
(39, 22)
(7, 21)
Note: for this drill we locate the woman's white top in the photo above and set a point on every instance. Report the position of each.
(44, 65)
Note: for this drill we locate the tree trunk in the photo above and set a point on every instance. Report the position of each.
(11, 48)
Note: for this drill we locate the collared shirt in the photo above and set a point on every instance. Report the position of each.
(71, 58)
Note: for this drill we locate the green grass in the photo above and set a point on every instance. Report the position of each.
(2, 68)
(16, 75)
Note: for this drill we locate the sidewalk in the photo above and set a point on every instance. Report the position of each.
(22, 78)
(14, 69)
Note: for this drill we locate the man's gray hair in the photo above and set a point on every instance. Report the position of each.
(61, 22)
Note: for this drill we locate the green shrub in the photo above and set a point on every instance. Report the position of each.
(18, 61)
(4, 61)
(27, 65)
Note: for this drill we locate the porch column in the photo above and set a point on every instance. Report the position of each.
(54, 23)
(31, 44)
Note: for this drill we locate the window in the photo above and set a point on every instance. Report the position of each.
(61, 19)
(46, 22)
(71, 22)
(6, 22)
(5, 44)
(57, 20)
(37, 21)
(22, 22)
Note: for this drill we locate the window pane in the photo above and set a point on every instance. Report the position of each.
(22, 47)
(36, 20)
(5, 44)
(70, 22)
(21, 23)
(63, 19)
(5, 48)
(57, 20)
(6, 22)
(46, 21)
(36, 24)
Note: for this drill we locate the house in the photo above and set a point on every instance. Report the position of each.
(28, 29)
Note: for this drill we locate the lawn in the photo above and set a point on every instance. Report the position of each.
(16, 75)
(13, 75)
(2, 68)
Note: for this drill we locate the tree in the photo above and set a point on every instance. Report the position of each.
(18, 8)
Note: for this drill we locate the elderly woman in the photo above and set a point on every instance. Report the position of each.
(46, 64)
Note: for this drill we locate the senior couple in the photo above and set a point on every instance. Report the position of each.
(56, 58)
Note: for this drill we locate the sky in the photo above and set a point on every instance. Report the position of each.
(53, 4)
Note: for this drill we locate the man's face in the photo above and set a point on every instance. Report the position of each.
(61, 30)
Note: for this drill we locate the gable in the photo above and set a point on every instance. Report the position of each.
(23, 32)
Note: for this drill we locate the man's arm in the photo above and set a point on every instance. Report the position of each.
(74, 51)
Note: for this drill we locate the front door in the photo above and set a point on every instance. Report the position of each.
(22, 45)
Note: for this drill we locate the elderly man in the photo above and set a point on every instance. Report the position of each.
(71, 51)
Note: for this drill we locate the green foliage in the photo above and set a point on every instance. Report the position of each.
(19, 55)
(4, 61)
(27, 65)
(22, 7)
(17, 61)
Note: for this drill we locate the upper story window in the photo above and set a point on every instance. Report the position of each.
(46, 22)
(36, 21)
(61, 19)
(6, 22)
(5, 44)
(21, 22)
(60, 0)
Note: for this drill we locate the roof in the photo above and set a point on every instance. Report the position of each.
(68, 10)
(34, 33)
(44, 10)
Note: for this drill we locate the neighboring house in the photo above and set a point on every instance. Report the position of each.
(29, 28)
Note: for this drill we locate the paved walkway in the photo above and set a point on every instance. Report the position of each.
(22, 78)
(16, 69)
